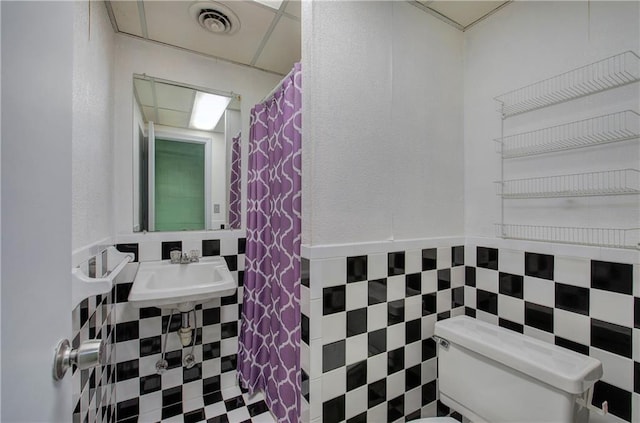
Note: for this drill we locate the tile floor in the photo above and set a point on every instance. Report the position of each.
(235, 407)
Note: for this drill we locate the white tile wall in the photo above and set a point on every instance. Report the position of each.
(573, 271)
(539, 291)
(572, 326)
(618, 370)
(511, 308)
(612, 307)
(486, 279)
(511, 261)
(413, 261)
(429, 281)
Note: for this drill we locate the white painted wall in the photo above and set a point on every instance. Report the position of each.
(382, 130)
(137, 56)
(92, 153)
(426, 142)
(37, 68)
(521, 44)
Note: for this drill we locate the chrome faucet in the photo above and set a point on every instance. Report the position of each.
(180, 257)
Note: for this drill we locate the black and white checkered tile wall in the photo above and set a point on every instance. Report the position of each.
(366, 326)
(94, 398)
(206, 392)
(367, 322)
(583, 304)
(367, 353)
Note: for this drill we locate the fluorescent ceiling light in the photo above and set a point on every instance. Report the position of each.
(274, 4)
(207, 110)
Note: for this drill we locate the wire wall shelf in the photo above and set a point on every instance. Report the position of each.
(602, 75)
(600, 237)
(610, 182)
(605, 129)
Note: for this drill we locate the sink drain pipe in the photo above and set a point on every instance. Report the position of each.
(185, 332)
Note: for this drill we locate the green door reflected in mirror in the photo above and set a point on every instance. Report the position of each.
(179, 186)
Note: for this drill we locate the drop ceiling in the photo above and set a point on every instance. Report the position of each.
(171, 104)
(268, 38)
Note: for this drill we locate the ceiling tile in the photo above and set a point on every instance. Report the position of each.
(274, 56)
(144, 91)
(170, 22)
(293, 8)
(464, 12)
(173, 118)
(274, 4)
(149, 113)
(174, 98)
(127, 17)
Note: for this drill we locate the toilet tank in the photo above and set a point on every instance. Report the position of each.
(491, 374)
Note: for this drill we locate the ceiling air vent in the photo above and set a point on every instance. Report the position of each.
(215, 17)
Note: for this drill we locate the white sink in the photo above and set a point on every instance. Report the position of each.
(181, 286)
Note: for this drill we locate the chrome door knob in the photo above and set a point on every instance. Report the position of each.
(89, 354)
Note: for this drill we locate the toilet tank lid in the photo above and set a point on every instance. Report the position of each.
(564, 369)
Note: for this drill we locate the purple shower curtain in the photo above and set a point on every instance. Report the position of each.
(269, 340)
(234, 184)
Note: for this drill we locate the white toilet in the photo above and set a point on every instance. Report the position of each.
(490, 374)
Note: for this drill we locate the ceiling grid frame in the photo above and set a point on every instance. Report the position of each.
(462, 17)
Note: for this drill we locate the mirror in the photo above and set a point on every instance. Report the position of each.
(186, 157)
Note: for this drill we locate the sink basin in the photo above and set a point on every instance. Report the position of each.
(181, 286)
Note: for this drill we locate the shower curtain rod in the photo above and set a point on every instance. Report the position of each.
(273, 91)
